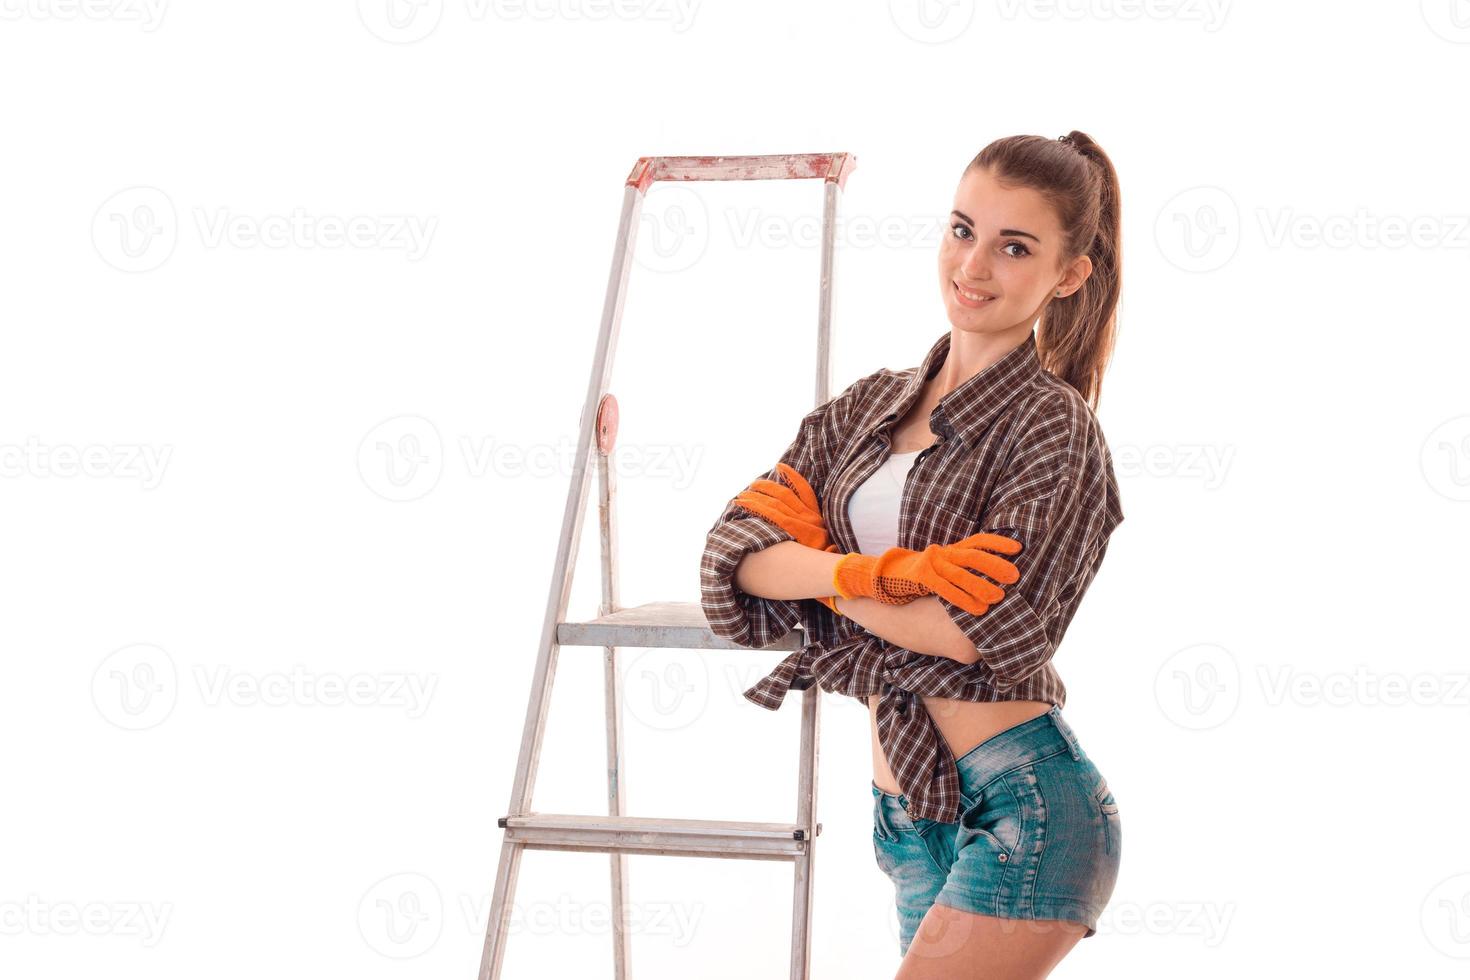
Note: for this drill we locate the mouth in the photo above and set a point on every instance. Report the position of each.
(971, 299)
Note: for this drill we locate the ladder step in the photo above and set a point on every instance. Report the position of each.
(673, 625)
(658, 835)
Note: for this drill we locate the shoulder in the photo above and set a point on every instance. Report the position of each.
(1053, 418)
(867, 396)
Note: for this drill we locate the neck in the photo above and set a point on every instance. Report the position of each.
(971, 352)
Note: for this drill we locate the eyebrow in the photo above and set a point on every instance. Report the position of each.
(1003, 231)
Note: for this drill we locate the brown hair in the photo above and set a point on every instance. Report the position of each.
(1076, 177)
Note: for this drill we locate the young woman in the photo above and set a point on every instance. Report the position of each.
(934, 529)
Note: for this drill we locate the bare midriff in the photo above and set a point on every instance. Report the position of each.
(964, 725)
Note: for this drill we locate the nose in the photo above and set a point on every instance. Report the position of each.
(975, 267)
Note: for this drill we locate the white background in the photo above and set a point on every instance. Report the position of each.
(279, 508)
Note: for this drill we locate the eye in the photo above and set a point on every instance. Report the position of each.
(957, 227)
(1020, 245)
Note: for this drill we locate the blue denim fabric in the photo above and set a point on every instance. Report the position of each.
(1038, 835)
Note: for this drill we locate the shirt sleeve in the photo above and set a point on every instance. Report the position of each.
(753, 621)
(1059, 500)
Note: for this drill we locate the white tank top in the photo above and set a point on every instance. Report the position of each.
(873, 507)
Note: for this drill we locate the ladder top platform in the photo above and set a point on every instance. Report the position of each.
(832, 167)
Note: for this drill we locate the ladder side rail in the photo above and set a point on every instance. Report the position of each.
(496, 930)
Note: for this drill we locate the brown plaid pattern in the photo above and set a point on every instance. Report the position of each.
(1018, 452)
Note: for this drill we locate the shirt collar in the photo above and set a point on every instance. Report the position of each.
(969, 409)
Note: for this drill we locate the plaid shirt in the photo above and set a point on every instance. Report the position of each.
(1018, 452)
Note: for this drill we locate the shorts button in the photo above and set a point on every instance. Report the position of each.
(1002, 858)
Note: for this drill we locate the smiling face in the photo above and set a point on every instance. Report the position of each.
(1004, 248)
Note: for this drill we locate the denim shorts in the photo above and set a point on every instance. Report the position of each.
(1038, 834)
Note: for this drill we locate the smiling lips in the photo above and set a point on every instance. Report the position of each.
(971, 299)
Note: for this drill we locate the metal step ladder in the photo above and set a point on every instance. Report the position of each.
(676, 625)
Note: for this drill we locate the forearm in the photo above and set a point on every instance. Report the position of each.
(922, 626)
(787, 571)
(793, 571)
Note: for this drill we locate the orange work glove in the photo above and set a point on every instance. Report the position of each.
(901, 575)
(794, 509)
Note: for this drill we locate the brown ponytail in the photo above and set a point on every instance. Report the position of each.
(1075, 339)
